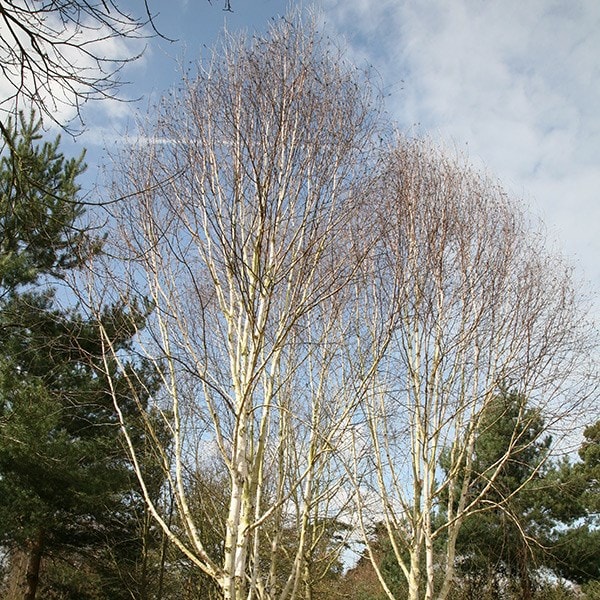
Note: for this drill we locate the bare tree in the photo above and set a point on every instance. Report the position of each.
(324, 313)
(242, 200)
(468, 303)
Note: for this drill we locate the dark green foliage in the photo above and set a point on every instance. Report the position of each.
(64, 467)
(576, 505)
(545, 513)
(577, 554)
(38, 208)
(510, 451)
(589, 468)
(65, 478)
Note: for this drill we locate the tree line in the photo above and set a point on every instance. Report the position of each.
(300, 336)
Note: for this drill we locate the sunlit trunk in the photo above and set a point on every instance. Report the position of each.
(414, 575)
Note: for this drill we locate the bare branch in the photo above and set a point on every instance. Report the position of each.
(53, 56)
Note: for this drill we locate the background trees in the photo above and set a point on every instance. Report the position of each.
(506, 544)
(543, 530)
(39, 211)
(574, 504)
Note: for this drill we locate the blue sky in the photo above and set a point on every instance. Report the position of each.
(515, 85)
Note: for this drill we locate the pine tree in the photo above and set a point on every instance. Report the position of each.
(575, 504)
(495, 546)
(66, 489)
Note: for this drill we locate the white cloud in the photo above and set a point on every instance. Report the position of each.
(76, 47)
(515, 83)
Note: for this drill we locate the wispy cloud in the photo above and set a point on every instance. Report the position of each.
(515, 83)
(95, 54)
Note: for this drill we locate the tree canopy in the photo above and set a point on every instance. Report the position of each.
(336, 307)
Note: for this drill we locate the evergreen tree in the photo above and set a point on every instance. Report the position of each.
(39, 210)
(575, 504)
(545, 512)
(66, 489)
(496, 546)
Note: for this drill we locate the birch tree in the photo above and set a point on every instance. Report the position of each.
(241, 200)
(470, 303)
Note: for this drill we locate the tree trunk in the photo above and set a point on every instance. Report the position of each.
(415, 574)
(25, 570)
(524, 576)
